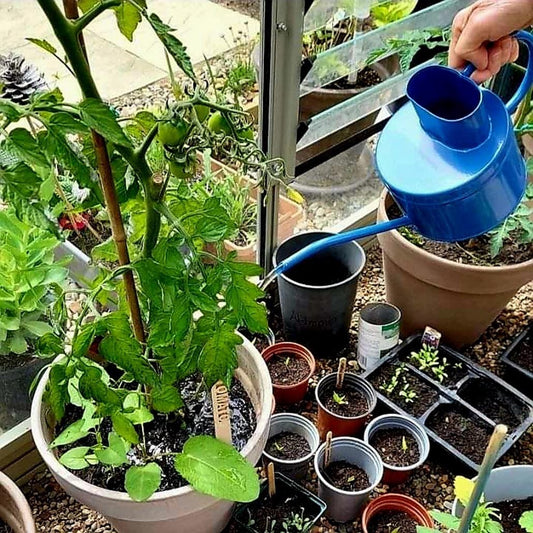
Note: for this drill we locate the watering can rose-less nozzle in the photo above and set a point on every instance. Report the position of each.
(449, 157)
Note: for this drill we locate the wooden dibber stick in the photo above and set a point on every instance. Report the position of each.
(340, 372)
(221, 412)
(327, 449)
(271, 480)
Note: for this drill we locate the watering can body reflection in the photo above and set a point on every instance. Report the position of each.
(449, 157)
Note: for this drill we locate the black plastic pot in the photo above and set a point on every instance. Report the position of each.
(519, 376)
(15, 391)
(318, 295)
(462, 396)
(314, 507)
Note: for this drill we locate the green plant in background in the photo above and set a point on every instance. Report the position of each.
(151, 342)
(526, 521)
(387, 12)
(32, 285)
(297, 523)
(485, 520)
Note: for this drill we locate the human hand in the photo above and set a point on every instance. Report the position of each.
(481, 35)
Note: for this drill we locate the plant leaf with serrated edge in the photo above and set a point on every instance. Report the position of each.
(526, 521)
(165, 399)
(100, 118)
(128, 18)
(216, 468)
(10, 110)
(26, 147)
(67, 123)
(115, 454)
(93, 388)
(56, 393)
(124, 428)
(142, 481)
(75, 458)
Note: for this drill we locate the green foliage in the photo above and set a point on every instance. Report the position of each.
(31, 289)
(387, 12)
(429, 361)
(339, 399)
(526, 521)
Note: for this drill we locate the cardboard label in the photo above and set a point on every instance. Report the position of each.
(221, 412)
(431, 338)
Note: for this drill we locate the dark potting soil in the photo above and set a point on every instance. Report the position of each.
(396, 446)
(367, 77)
(259, 341)
(511, 511)
(10, 361)
(286, 369)
(495, 402)
(354, 402)
(4, 528)
(523, 355)
(467, 434)
(392, 521)
(346, 476)
(319, 273)
(425, 395)
(472, 252)
(288, 446)
(86, 240)
(168, 434)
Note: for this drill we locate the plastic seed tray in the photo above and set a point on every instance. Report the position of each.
(460, 412)
(517, 374)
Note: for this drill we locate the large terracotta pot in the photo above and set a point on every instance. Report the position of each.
(459, 300)
(14, 509)
(180, 510)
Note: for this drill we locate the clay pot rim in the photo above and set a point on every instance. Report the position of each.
(396, 502)
(448, 262)
(302, 459)
(372, 402)
(25, 520)
(392, 417)
(295, 349)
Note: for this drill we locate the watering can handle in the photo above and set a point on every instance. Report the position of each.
(527, 82)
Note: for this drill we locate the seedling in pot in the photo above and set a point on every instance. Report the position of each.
(427, 360)
(339, 399)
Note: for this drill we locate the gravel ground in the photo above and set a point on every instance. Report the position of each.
(246, 7)
(432, 484)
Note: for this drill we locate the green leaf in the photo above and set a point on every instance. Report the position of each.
(142, 481)
(526, 521)
(10, 110)
(37, 328)
(135, 410)
(447, 520)
(173, 45)
(128, 18)
(423, 529)
(92, 387)
(167, 327)
(18, 344)
(27, 148)
(216, 468)
(115, 454)
(75, 431)
(43, 43)
(75, 459)
(124, 428)
(57, 391)
(49, 345)
(166, 399)
(47, 188)
(86, 5)
(100, 118)
(68, 124)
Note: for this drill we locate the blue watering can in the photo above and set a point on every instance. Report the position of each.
(449, 157)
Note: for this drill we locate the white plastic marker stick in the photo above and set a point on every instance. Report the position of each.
(327, 449)
(221, 412)
(361, 11)
(271, 480)
(340, 372)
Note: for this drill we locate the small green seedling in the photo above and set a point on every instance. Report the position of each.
(407, 394)
(297, 523)
(339, 399)
(278, 446)
(287, 361)
(404, 444)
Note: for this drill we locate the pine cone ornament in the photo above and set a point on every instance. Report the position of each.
(19, 79)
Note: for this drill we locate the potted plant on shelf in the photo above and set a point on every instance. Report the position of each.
(15, 513)
(125, 434)
(290, 365)
(472, 280)
(31, 310)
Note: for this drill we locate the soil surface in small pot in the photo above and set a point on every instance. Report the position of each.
(11, 360)
(425, 395)
(168, 434)
(523, 354)
(4, 528)
(319, 272)
(472, 252)
(353, 402)
(346, 476)
(466, 434)
(287, 369)
(288, 446)
(366, 78)
(396, 446)
(392, 521)
(86, 240)
(494, 402)
(511, 511)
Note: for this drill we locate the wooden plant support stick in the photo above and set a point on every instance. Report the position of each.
(271, 480)
(327, 449)
(496, 441)
(221, 412)
(340, 372)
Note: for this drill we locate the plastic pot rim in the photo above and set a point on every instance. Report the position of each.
(425, 438)
(353, 276)
(372, 401)
(303, 459)
(362, 446)
(287, 346)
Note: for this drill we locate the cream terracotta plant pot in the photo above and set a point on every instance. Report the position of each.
(14, 509)
(180, 510)
(459, 300)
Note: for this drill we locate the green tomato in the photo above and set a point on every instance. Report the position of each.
(172, 133)
(218, 124)
(202, 111)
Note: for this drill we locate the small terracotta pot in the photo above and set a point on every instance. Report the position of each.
(14, 509)
(337, 424)
(289, 394)
(396, 502)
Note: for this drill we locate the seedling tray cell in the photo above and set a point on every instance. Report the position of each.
(518, 361)
(470, 396)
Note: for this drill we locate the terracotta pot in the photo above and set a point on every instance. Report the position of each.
(459, 300)
(290, 394)
(396, 502)
(343, 425)
(181, 510)
(14, 509)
